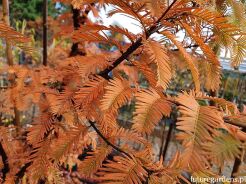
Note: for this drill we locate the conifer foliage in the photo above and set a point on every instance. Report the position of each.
(79, 98)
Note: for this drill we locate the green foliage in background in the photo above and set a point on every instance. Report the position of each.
(29, 9)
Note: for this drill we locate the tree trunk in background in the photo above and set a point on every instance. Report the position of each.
(45, 46)
(162, 138)
(45, 31)
(6, 20)
(237, 162)
(168, 139)
(10, 58)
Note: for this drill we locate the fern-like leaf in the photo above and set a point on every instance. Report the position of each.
(220, 22)
(212, 58)
(158, 55)
(212, 74)
(197, 123)
(147, 72)
(43, 124)
(187, 57)
(223, 147)
(123, 170)
(227, 106)
(39, 157)
(156, 7)
(15, 37)
(67, 141)
(90, 64)
(150, 108)
(61, 102)
(118, 93)
(89, 93)
(94, 160)
(238, 51)
(126, 136)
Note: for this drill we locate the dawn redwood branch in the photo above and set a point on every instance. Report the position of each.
(157, 27)
(105, 73)
(124, 56)
(136, 44)
(167, 10)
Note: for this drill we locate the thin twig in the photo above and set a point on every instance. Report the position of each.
(107, 141)
(156, 27)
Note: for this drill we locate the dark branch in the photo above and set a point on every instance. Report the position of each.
(5, 169)
(156, 27)
(106, 140)
(187, 47)
(124, 56)
(167, 10)
(136, 44)
(92, 124)
(22, 171)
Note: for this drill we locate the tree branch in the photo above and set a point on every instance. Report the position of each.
(124, 56)
(5, 169)
(116, 148)
(136, 44)
(156, 27)
(106, 140)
